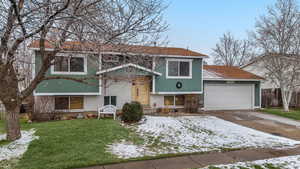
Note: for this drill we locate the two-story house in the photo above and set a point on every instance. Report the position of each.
(157, 77)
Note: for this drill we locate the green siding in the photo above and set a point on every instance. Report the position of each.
(162, 84)
(257, 94)
(68, 86)
(256, 90)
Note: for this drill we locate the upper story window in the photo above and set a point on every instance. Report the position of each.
(110, 58)
(75, 65)
(179, 69)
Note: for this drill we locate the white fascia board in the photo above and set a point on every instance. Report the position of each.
(67, 51)
(46, 49)
(214, 79)
(155, 55)
(66, 94)
(178, 56)
(117, 53)
(177, 93)
(128, 65)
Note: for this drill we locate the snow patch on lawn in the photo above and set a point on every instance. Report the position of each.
(288, 162)
(18, 147)
(188, 134)
(126, 149)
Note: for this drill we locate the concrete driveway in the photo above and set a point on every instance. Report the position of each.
(261, 121)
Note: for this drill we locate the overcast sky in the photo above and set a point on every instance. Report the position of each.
(197, 24)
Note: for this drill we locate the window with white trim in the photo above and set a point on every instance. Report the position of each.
(110, 100)
(177, 100)
(110, 58)
(69, 65)
(179, 69)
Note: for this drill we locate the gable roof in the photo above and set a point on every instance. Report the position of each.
(248, 64)
(252, 61)
(265, 57)
(229, 72)
(135, 49)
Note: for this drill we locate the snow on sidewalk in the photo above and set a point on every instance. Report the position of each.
(289, 162)
(18, 147)
(188, 134)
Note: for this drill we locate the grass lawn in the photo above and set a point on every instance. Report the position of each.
(2, 127)
(293, 114)
(82, 143)
(73, 143)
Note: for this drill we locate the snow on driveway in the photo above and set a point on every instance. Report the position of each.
(187, 134)
(18, 147)
(289, 162)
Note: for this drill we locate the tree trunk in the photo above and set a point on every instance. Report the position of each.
(12, 124)
(285, 106)
(10, 97)
(285, 99)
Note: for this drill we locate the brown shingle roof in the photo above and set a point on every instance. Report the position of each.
(78, 46)
(231, 72)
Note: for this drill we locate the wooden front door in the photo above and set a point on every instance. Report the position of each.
(140, 90)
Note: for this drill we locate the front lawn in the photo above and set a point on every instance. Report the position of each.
(292, 114)
(81, 143)
(71, 144)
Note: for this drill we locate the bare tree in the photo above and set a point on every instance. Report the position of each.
(56, 22)
(230, 51)
(277, 37)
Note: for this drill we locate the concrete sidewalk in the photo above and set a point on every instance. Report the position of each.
(203, 160)
(277, 119)
(268, 123)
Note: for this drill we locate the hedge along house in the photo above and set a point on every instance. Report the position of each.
(157, 77)
(230, 88)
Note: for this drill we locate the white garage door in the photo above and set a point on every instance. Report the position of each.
(228, 96)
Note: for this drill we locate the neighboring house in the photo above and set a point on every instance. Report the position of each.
(271, 93)
(160, 77)
(256, 67)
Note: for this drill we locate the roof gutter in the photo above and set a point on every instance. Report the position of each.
(143, 54)
(214, 79)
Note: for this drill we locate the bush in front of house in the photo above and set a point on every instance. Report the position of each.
(132, 112)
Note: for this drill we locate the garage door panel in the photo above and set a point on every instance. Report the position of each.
(228, 96)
